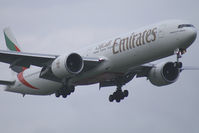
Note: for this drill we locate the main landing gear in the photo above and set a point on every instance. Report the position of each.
(118, 95)
(65, 92)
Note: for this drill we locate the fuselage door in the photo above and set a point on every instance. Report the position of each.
(161, 31)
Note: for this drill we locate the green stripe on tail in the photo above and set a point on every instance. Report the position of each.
(10, 45)
(10, 40)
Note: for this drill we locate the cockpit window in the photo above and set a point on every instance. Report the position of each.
(185, 25)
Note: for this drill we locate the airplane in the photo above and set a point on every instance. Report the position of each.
(114, 62)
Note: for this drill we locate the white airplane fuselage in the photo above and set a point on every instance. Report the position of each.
(121, 54)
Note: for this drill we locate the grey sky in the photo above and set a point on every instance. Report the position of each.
(59, 27)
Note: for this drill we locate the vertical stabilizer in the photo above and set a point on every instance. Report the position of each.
(12, 45)
(10, 40)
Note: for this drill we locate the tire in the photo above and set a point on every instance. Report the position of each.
(126, 93)
(114, 94)
(122, 96)
(72, 89)
(64, 95)
(111, 98)
(117, 100)
(57, 94)
(179, 64)
(68, 93)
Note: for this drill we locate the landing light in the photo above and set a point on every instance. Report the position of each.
(183, 51)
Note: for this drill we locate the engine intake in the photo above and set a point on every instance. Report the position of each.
(164, 74)
(170, 72)
(74, 63)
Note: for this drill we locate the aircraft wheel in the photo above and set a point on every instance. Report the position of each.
(126, 93)
(117, 99)
(111, 98)
(122, 97)
(72, 89)
(64, 95)
(57, 94)
(118, 95)
(67, 92)
(178, 64)
(114, 94)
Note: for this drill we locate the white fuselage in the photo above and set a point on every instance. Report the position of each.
(122, 53)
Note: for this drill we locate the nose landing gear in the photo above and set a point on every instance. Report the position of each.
(179, 53)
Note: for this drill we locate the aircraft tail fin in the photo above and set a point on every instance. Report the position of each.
(10, 40)
(12, 45)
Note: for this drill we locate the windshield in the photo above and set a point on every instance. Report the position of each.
(185, 25)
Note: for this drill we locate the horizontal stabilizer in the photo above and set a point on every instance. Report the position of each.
(3, 82)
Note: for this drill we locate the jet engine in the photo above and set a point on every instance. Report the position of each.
(67, 65)
(164, 74)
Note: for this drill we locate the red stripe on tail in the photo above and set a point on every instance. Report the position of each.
(17, 49)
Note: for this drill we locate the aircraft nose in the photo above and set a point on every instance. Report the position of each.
(191, 35)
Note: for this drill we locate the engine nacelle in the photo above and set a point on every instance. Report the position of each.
(65, 66)
(164, 74)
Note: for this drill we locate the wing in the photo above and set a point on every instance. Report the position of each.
(143, 70)
(139, 71)
(18, 59)
(25, 59)
(4, 82)
(189, 68)
(22, 59)
(91, 63)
